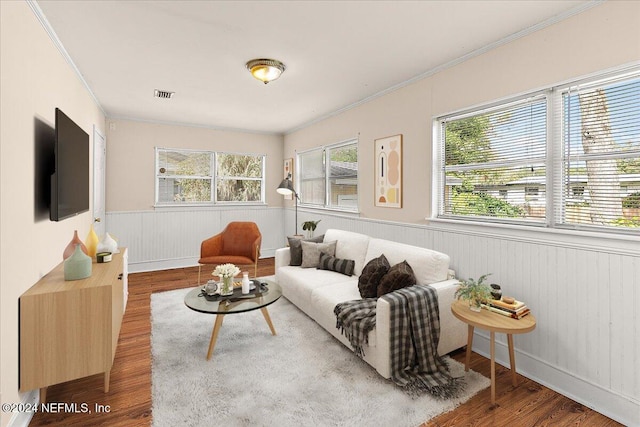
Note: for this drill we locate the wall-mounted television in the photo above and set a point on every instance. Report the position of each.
(70, 179)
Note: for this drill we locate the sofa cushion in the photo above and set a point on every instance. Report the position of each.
(399, 276)
(342, 266)
(350, 246)
(429, 266)
(311, 252)
(298, 283)
(295, 248)
(371, 274)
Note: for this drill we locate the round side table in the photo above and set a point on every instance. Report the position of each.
(492, 322)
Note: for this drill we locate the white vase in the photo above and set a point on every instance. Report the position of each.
(108, 244)
(246, 284)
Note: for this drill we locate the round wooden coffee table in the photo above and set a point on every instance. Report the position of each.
(492, 322)
(235, 304)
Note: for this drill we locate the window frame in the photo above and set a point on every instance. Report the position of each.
(555, 198)
(213, 157)
(326, 170)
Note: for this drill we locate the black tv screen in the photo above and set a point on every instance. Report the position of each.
(70, 180)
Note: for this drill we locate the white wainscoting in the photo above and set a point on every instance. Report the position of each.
(171, 237)
(584, 292)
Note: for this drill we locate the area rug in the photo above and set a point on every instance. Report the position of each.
(302, 376)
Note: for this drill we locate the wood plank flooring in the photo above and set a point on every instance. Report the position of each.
(129, 400)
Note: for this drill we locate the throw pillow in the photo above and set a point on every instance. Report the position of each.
(371, 274)
(295, 248)
(343, 266)
(399, 276)
(311, 252)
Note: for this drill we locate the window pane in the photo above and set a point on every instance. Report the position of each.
(184, 163)
(239, 165)
(494, 163)
(239, 190)
(343, 176)
(312, 179)
(601, 131)
(517, 193)
(178, 190)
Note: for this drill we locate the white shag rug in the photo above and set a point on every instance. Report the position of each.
(301, 377)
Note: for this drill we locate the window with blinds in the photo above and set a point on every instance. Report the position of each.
(568, 157)
(494, 162)
(601, 154)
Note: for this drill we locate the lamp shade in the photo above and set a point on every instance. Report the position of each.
(286, 186)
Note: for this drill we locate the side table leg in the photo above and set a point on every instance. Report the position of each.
(467, 359)
(107, 377)
(214, 334)
(512, 360)
(493, 368)
(265, 313)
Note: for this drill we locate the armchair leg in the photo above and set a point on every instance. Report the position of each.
(199, 269)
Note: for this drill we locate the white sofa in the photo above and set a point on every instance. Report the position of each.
(316, 292)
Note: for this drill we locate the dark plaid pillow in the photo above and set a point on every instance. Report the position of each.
(343, 266)
(295, 248)
(371, 274)
(399, 276)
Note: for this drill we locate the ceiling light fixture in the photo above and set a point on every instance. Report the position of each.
(265, 70)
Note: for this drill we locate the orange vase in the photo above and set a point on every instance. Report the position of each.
(68, 251)
(92, 242)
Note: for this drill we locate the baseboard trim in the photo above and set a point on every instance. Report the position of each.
(607, 402)
(167, 264)
(23, 418)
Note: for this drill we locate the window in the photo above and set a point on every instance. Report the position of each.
(564, 157)
(492, 158)
(188, 177)
(328, 176)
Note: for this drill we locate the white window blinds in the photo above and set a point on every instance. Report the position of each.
(601, 154)
(494, 162)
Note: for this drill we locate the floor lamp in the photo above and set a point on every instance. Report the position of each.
(285, 188)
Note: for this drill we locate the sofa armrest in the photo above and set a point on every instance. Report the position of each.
(282, 258)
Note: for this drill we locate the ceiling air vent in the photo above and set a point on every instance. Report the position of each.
(163, 94)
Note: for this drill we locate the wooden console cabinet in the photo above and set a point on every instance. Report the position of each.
(70, 329)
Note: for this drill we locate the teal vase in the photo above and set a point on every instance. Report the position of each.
(77, 266)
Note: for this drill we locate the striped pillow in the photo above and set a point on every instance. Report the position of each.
(343, 266)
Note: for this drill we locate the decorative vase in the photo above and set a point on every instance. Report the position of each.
(496, 292)
(310, 234)
(78, 265)
(92, 242)
(246, 284)
(108, 244)
(71, 247)
(227, 286)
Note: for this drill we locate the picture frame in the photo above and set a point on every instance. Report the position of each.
(288, 169)
(388, 172)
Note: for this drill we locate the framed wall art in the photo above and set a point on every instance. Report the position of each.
(288, 169)
(388, 172)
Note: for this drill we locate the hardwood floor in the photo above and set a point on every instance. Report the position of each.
(129, 399)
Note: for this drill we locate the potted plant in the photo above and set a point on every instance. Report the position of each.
(310, 227)
(476, 292)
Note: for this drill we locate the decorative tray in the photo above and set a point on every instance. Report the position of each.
(258, 289)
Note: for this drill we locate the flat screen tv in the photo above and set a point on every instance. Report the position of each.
(70, 179)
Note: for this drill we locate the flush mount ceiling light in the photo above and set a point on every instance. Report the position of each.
(265, 70)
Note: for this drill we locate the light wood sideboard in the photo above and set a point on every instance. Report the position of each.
(70, 329)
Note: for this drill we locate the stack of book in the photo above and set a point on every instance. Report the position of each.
(516, 310)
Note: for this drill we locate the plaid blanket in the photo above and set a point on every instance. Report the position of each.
(356, 319)
(414, 336)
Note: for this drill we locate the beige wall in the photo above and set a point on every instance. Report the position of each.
(603, 37)
(131, 158)
(35, 79)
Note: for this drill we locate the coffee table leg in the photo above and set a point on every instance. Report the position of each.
(493, 368)
(467, 359)
(512, 360)
(265, 313)
(214, 334)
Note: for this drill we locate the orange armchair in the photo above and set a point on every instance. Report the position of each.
(239, 244)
